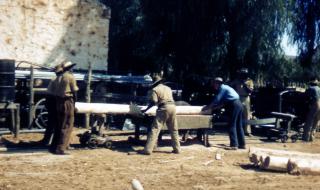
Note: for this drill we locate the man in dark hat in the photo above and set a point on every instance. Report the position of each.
(50, 104)
(161, 95)
(66, 89)
(244, 87)
(313, 117)
(227, 97)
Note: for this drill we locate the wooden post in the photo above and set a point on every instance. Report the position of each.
(17, 127)
(31, 98)
(88, 94)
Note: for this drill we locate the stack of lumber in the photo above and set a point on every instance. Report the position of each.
(105, 108)
(297, 163)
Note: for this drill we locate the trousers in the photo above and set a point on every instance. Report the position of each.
(236, 134)
(245, 100)
(165, 115)
(312, 120)
(65, 122)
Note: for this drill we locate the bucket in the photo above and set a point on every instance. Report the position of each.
(7, 80)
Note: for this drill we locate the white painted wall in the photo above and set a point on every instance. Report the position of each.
(47, 32)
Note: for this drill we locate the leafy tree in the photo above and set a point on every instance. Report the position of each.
(192, 37)
(305, 18)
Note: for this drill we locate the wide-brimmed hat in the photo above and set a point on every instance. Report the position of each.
(218, 80)
(243, 71)
(156, 78)
(58, 68)
(67, 65)
(314, 82)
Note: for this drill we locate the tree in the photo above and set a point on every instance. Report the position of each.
(305, 18)
(192, 37)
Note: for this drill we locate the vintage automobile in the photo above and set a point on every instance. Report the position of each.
(104, 88)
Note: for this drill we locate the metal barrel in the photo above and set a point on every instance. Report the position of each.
(7, 80)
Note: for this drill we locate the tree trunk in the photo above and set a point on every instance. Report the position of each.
(105, 108)
(304, 166)
(275, 163)
(281, 153)
(282, 160)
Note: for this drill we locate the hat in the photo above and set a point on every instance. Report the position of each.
(243, 71)
(66, 65)
(156, 78)
(58, 68)
(218, 79)
(314, 82)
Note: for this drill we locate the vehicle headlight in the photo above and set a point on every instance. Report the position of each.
(37, 82)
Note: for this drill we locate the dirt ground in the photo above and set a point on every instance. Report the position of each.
(195, 168)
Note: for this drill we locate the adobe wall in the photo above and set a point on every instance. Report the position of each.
(49, 31)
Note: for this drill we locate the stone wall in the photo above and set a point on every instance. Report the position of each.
(47, 32)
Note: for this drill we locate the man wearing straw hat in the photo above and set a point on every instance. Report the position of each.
(244, 87)
(65, 87)
(50, 104)
(161, 95)
(313, 117)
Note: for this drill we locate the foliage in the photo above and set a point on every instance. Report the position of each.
(201, 38)
(305, 16)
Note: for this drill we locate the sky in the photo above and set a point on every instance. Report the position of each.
(288, 48)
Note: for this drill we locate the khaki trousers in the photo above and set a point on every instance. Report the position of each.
(312, 120)
(166, 115)
(245, 100)
(65, 122)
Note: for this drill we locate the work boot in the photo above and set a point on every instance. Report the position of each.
(60, 152)
(176, 151)
(143, 152)
(242, 147)
(231, 148)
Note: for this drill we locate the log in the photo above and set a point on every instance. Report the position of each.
(262, 158)
(304, 166)
(275, 163)
(281, 153)
(257, 158)
(105, 108)
(281, 160)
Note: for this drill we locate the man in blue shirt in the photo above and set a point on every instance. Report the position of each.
(227, 97)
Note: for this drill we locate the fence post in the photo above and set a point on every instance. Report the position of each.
(88, 94)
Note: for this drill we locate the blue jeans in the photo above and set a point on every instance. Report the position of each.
(237, 121)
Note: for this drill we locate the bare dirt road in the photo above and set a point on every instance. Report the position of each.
(196, 168)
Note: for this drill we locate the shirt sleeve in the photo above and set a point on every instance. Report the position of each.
(218, 98)
(73, 84)
(154, 97)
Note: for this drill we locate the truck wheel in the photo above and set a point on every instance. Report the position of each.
(294, 138)
(93, 143)
(284, 138)
(40, 114)
(108, 144)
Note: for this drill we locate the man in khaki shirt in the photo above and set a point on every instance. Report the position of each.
(243, 85)
(161, 95)
(50, 104)
(65, 87)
